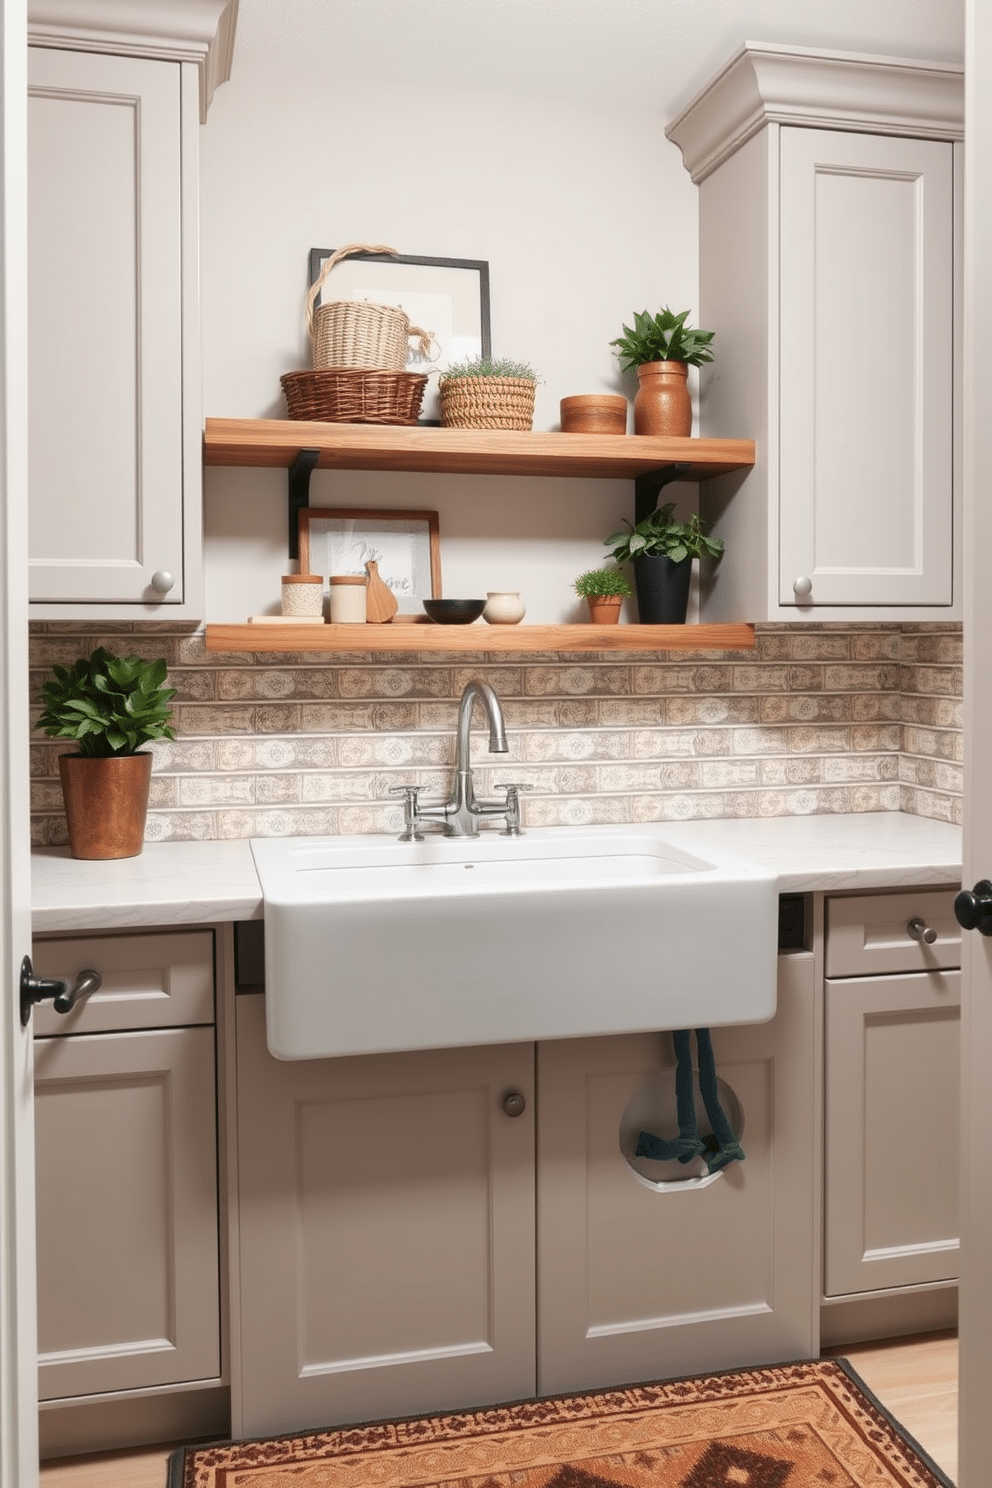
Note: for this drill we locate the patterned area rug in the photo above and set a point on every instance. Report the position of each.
(809, 1425)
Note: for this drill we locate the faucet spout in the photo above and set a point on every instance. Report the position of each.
(463, 812)
(460, 816)
(494, 712)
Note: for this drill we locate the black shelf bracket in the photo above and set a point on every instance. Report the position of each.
(649, 486)
(303, 463)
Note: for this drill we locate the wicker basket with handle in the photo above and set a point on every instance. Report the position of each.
(359, 333)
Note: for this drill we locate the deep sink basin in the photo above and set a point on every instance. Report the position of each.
(373, 945)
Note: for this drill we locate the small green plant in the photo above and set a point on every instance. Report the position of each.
(660, 535)
(664, 337)
(601, 583)
(490, 367)
(110, 705)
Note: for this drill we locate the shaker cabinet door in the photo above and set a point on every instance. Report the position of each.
(105, 322)
(386, 1232)
(866, 376)
(892, 1096)
(639, 1280)
(126, 1162)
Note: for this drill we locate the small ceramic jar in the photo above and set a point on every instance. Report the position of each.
(302, 594)
(348, 599)
(503, 607)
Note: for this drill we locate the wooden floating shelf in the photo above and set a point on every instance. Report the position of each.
(275, 443)
(523, 639)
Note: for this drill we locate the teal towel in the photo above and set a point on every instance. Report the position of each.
(720, 1147)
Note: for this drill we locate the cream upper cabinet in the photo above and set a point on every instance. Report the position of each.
(114, 480)
(116, 94)
(829, 200)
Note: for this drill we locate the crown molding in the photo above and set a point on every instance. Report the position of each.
(198, 31)
(818, 89)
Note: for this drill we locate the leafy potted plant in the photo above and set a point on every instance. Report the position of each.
(604, 590)
(662, 348)
(484, 393)
(661, 550)
(110, 706)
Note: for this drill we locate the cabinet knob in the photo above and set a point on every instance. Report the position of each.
(514, 1104)
(918, 929)
(802, 587)
(162, 580)
(973, 908)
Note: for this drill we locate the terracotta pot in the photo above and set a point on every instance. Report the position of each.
(594, 413)
(662, 405)
(604, 609)
(106, 801)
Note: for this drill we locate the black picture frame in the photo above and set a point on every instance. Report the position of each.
(456, 290)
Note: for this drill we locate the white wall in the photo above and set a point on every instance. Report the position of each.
(381, 122)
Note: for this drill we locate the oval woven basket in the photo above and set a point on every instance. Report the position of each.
(487, 402)
(359, 333)
(354, 397)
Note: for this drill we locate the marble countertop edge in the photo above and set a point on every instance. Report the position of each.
(202, 883)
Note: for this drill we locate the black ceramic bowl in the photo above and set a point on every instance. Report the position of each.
(454, 611)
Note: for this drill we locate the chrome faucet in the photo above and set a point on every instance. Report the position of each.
(461, 814)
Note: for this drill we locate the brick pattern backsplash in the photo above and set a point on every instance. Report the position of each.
(830, 718)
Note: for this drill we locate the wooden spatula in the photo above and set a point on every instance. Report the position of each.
(380, 602)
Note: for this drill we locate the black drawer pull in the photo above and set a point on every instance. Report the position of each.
(36, 989)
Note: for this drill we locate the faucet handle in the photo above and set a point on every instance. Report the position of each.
(513, 789)
(409, 794)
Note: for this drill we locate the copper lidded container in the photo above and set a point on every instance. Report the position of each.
(594, 413)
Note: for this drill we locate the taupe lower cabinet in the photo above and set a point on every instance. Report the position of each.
(892, 1093)
(125, 1118)
(386, 1215)
(388, 1260)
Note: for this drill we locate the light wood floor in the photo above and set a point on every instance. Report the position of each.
(916, 1379)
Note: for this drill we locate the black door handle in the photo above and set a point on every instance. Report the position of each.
(973, 907)
(36, 989)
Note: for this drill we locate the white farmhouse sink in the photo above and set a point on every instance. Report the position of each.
(372, 944)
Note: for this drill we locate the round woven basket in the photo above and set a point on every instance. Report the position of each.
(354, 397)
(359, 333)
(487, 402)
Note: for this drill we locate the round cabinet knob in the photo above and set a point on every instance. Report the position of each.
(514, 1104)
(918, 929)
(802, 587)
(973, 907)
(162, 580)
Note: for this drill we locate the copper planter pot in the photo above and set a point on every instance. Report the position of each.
(106, 802)
(663, 405)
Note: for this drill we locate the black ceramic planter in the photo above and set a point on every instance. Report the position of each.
(662, 590)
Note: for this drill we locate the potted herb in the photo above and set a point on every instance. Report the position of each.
(661, 550)
(662, 348)
(110, 706)
(484, 393)
(604, 590)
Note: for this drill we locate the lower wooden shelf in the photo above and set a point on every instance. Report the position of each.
(404, 637)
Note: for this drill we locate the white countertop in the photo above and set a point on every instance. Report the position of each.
(191, 883)
(170, 883)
